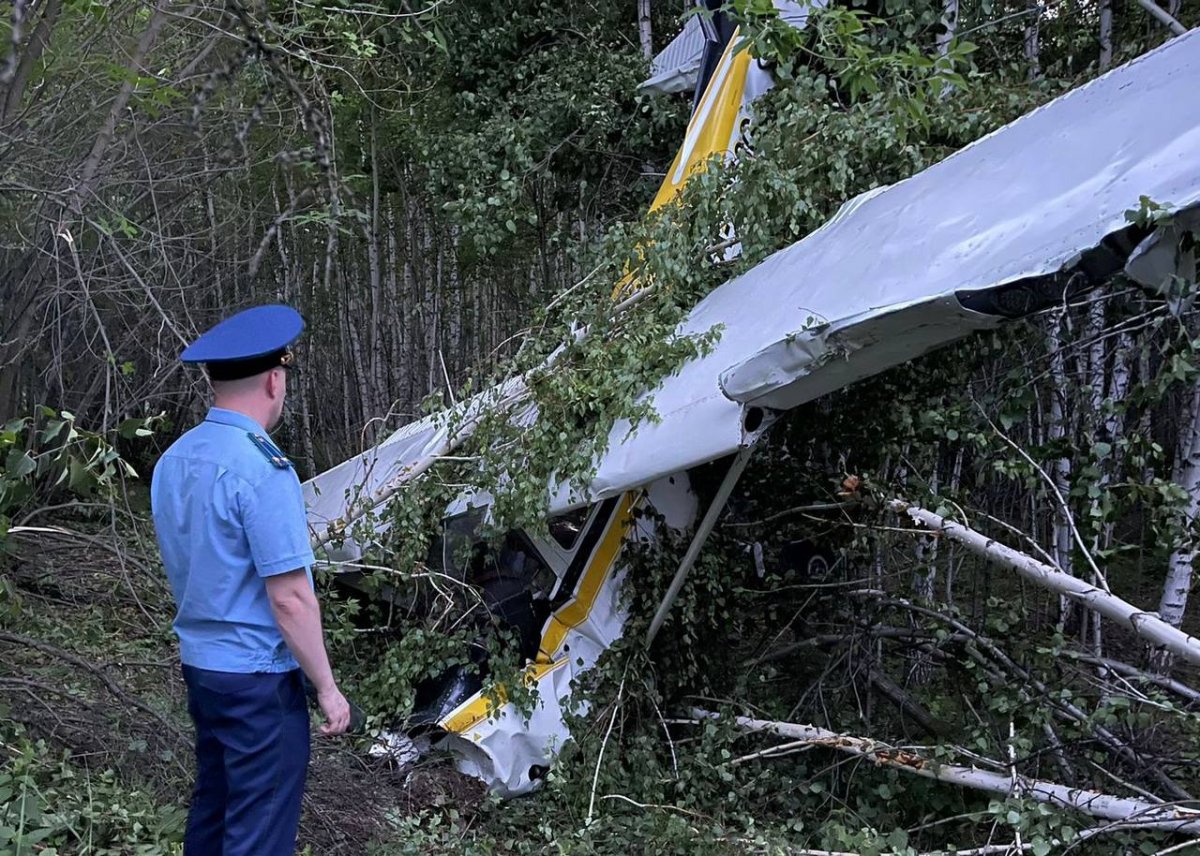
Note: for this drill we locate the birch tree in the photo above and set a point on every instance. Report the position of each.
(1186, 475)
(949, 26)
(645, 33)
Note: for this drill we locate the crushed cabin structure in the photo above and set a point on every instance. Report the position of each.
(1020, 220)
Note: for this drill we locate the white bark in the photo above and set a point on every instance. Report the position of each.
(949, 26)
(644, 32)
(1148, 625)
(1163, 17)
(1097, 370)
(927, 551)
(1056, 429)
(1132, 813)
(1118, 386)
(1032, 40)
(1187, 475)
(955, 481)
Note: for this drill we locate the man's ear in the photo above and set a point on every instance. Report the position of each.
(274, 383)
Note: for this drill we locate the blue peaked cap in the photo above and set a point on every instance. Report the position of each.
(250, 333)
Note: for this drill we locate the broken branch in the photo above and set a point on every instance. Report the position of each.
(1145, 624)
(1132, 813)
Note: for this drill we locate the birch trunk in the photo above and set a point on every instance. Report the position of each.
(1106, 33)
(1145, 624)
(1179, 569)
(432, 319)
(949, 26)
(645, 34)
(22, 67)
(1097, 368)
(1056, 430)
(1032, 40)
(372, 322)
(355, 319)
(927, 551)
(1131, 813)
(454, 343)
(951, 570)
(396, 316)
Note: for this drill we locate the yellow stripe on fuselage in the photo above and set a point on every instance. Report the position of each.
(579, 607)
(569, 616)
(710, 131)
(712, 126)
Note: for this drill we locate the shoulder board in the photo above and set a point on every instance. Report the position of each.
(270, 450)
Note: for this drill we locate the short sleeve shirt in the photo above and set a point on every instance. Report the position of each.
(227, 517)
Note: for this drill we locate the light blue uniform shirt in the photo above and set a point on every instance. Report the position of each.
(226, 518)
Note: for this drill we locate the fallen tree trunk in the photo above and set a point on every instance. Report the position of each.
(1132, 672)
(1148, 625)
(909, 707)
(1131, 813)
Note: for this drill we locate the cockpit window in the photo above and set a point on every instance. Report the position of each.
(565, 529)
(460, 534)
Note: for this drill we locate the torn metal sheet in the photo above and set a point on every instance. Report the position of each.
(1160, 257)
(676, 68)
(511, 749)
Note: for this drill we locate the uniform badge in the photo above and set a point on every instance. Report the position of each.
(270, 450)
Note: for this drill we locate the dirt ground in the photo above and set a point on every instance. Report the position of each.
(88, 664)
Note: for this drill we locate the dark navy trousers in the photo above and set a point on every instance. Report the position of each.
(252, 744)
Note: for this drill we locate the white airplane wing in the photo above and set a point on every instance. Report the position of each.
(990, 232)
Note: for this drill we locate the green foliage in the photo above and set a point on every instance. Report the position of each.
(50, 806)
(862, 100)
(811, 151)
(48, 455)
(523, 133)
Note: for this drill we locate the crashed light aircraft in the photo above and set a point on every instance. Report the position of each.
(1009, 225)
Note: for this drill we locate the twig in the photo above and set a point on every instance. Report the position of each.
(624, 798)
(1062, 502)
(603, 745)
(1179, 848)
(799, 509)
(109, 683)
(776, 751)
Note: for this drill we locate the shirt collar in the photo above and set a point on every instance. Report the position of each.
(231, 417)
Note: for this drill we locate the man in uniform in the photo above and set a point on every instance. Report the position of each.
(230, 520)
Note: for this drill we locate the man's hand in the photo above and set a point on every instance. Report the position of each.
(336, 711)
(299, 618)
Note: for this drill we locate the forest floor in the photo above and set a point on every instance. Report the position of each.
(91, 687)
(96, 751)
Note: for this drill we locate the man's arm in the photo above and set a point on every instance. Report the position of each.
(299, 618)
